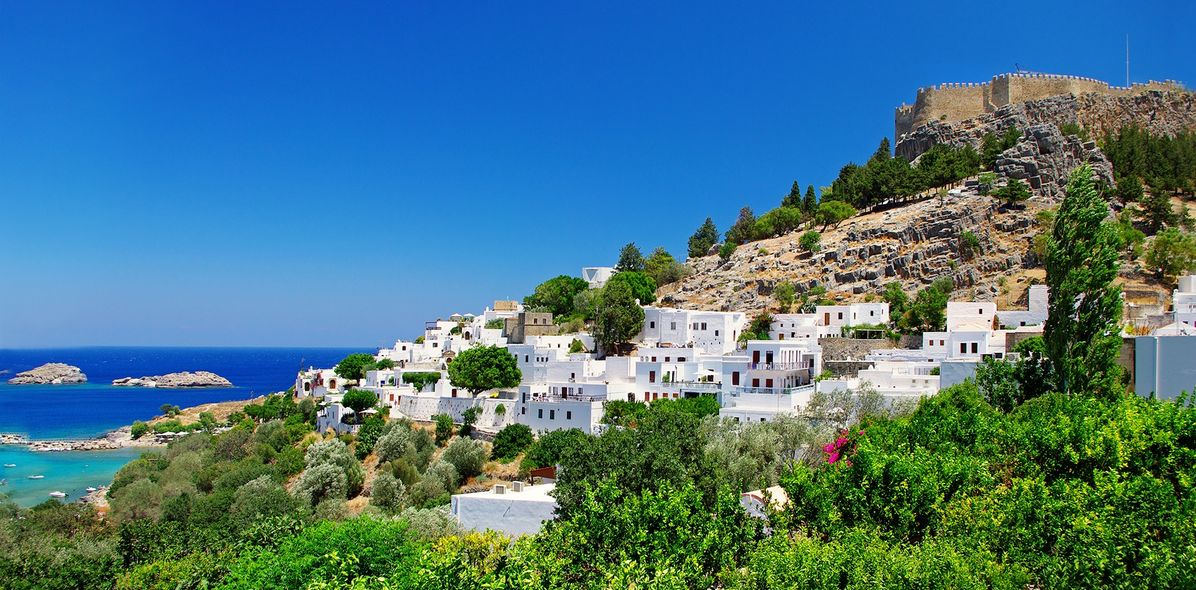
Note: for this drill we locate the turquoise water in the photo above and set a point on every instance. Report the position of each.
(71, 472)
(43, 412)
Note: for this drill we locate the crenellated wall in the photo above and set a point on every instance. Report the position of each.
(953, 102)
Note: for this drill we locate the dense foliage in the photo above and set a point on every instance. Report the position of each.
(556, 295)
(481, 368)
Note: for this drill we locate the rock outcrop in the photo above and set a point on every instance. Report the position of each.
(50, 374)
(176, 380)
(910, 245)
(1045, 156)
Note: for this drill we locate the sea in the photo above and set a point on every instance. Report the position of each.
(49, 412)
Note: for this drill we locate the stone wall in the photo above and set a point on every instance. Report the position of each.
(421, 408)
(955, 102)
(851, 349)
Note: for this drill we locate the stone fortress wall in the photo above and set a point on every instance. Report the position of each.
(953, 102)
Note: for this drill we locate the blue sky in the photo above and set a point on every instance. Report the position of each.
(208, 173)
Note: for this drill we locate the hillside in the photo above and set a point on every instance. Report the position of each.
(915, 243)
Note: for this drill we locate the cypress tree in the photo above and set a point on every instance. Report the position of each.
(1082, 331)
(810, 203)
(630, 259)
(705, 237)
(793, 199)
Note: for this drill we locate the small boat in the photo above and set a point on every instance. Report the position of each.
(37, 477)
(57, 494)
(10, 464)
(91, 489)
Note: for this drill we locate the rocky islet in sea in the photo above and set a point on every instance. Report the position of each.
(176, 380)
(50, 374)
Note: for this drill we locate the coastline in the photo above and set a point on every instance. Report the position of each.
(122, 438)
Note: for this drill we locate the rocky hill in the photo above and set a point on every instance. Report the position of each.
(918, 242)
(911, 245)
(50, 374)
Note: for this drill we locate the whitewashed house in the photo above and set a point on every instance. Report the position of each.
(710, 332)
(768, 378)
(853, 314)
(514, 510)
(1038, 297)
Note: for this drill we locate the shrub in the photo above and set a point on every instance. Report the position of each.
(511, 441)
(320, 483)
(388, 492)
(811, 241)
(468, 418)
(969, 244)
(467, 456)
(444, 428)
(726, 250)
(139, 429)
(421, 379)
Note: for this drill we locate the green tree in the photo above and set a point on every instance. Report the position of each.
(1171, 254)
(779, 221)
(662, 268)
(467, 456)
(510, 441)
(1082, 330)
(969, 244)
(785, 294)
(744, 228)
(444, 428)
(139, 429)
(630, 259)
(384, 364)
(643, 287)
(421, 379)
(359, 399)
(1129, 189)
(985, 182)
(833, 213)
(556, 294)
(928, 312)
(704, 237)
(482, 368)
(793, 199)
(1014, 192)
(898, 301)
(809, 203)
(618, 317)
(1156, 211)
(354, 366)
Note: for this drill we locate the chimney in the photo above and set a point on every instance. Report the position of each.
(516, 486)
(500, 489)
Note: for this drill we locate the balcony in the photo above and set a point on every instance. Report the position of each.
(798, 366)
(801, 389)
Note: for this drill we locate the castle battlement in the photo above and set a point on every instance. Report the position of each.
(957, 101)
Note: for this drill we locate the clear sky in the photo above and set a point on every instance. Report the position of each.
(211, 173)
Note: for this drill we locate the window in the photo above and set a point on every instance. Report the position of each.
(681, 359)
(840, 315)
(652, 324)
(703, 325)
(755, 383)
(524, 411)
(668, 359)
(672, 325)
(540, 413)
(568, 415)
(651, 376)
(735, 378)
(973, 348)
(653, 359)
(552, 414)
(716, 332)
(768, 382)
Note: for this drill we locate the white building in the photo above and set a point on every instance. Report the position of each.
(318, 383)
(597, 276)
(710, 332)
(805, 327)
(513, 510)
(769, 377)
(1183, 302)
(853, 314)
(1035, 315)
